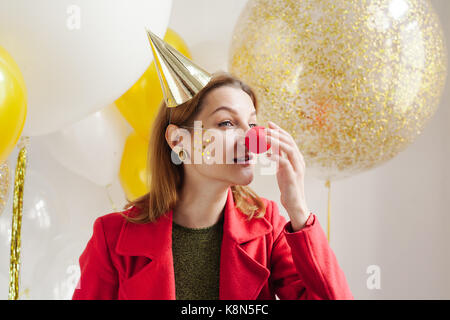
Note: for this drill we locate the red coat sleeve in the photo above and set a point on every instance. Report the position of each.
(303, 266)
(98, 279)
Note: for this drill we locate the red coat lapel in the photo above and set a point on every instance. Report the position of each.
(242, 266)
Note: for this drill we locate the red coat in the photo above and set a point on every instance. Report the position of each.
(259, 259)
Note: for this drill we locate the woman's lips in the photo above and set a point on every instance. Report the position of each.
(243, 160)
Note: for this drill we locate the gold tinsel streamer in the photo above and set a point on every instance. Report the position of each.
(14, 266)
(5, 181)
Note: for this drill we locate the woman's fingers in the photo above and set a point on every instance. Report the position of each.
(279, 145)
(290, 141)
(282, 131)
(282, 138)
(282, 162)
(288, 136)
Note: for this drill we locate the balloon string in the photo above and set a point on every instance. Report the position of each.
(328, 185)
(113, 205)
(19, 180)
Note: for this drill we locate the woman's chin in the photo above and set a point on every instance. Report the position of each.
(244, 177)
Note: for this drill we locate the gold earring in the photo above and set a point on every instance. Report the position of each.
(182, 154)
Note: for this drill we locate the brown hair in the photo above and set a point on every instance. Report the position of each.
(166, 178)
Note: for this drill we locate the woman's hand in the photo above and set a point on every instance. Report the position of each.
(290, 174)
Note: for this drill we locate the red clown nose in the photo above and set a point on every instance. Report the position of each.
(255, 140)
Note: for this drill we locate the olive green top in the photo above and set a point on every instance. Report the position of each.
(196, 259)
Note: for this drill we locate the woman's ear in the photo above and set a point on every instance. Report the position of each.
(172, 136)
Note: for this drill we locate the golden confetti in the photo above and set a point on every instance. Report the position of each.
(353, 81)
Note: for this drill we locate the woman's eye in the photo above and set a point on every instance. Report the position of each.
(221, 124)
(229, 122)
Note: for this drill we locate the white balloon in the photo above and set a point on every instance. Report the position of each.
(78, 56)
(83, 200)
(56, 275)
(43, 217)
(92, 147)
(57, 204)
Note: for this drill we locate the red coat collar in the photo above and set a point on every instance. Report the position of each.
(241, 275)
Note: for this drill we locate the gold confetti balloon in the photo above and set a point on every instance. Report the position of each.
(354, 82)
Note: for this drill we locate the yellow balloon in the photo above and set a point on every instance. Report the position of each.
(13, 104)
(133, 167)
(141, 102)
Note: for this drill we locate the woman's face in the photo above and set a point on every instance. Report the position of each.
(213, 153)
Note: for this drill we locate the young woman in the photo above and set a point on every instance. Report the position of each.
(201, 232)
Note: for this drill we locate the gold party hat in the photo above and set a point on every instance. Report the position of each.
(180, 78)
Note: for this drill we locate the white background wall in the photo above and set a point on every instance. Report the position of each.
(395, 216)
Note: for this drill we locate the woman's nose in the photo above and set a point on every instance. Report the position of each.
(245, 130)
(242, 132)
(242, 137)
